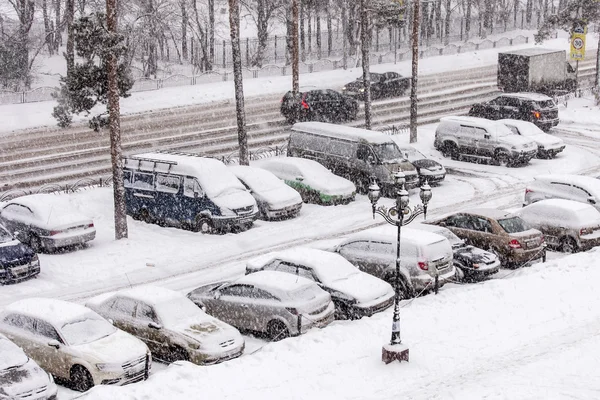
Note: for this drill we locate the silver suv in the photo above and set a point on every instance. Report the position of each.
(480, 139)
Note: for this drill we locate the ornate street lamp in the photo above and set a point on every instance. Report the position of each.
(399, 215)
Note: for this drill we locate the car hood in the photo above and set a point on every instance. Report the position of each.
(280, 197)
(519, 141)
(27, 377)
(363, 287)
(331, 185)
(118, 348)
(15, 252)
(234, 200)
(427, 164)
(399, 164)
(209, 331)
(547, 140)
(474, 254)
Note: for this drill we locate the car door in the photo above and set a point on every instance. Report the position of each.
(467, 139)
(167, 195)
(233, 306)
(547, 220)
(122, 314)
(264, 306)
(148, 328)
(462, 226)
(21, 329)
(358, 253)
(59, 356)
(143, 195)
(485, 142)
(482, 233)
(493, 108)
(511, 109)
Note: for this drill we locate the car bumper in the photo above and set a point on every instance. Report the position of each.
(544, 153)
(433, 178)
(210, 358)
(359, 312)
(308, 322)
(229, 223)
(587, 244)
(326, 199)
(287, 212)
(426, 282)
(523, 156)
(52, 243)
(482, 272)
(135, 373)
(526, 257)
(19, 273)
(546, 124)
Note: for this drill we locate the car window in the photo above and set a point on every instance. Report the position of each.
(124, 307)
(499, 101)
(513, 224)
(363, 152)
(17, 210)
(167, 183)
(143, 181)
(360, 246)
(145, 313)
(20, 321)
(481, 225)
(305, 273)
(191, 186)
(237, 291)
(512, 102)
(42, 328)
(383, 248)
(283, 266)
(263, 294)
(513, 129)
(460, 221)
(127, 178)
(467, 130)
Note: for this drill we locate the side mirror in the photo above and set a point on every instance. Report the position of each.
(54, 343)
(196, 195)
(591, 200)
(300, 178)
(154, 325)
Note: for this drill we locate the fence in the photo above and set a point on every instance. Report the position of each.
(145, 84)
(580, 92)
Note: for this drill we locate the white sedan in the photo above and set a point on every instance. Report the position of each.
(46, 222)
(21, 377)
(355, 293)
(172, 326)
(275, 199)
(74, 343)
(548, 146)
(314, 182)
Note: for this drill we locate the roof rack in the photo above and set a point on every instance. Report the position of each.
(154, 161)
(181, 153)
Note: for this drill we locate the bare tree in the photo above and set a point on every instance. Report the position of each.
(365, 46)
(262, 12)
(25, 10)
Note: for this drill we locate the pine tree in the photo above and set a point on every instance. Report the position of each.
(87, 84)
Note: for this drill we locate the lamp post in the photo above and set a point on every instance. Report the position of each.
(399, 215)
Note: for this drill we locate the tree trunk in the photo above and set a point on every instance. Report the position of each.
(47, 28)
(115, 129)
(365, 48)
(415, 73)
(70, 54)
(236, 54)
(448, 20)
(57, 26)
(290, 36)
(295, 57)
(318, 33)
(211, 34)
(302, 35)
(344, 35)
(262, 25)
(528, 11)
(184, 24)
(329, 32)
(309, 28)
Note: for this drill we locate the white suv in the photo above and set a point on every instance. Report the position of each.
(584, 189)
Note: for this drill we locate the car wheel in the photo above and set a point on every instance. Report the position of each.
(203, 224)
(568, 245)
(144, 216)
(449, 149)
(276, 330)
(342, 311)
(178, 354)
(501, 159)
(460, 273)
(35, 243)
(81, 379)
(405, 292)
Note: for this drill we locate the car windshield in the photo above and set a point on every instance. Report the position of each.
(5, 236)
(454, 240)
(413, 154)
(305, 293)
(86, 329)
(541, 104)
(336, 272)
(261, 180)
(387, 151)
(529, 130)
(513, 224)
(503, 130)
(174, 311)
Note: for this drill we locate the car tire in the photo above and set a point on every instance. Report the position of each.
(568, 245)
(81, 379)
(501, 158)
(460, 273)
(405, 292)
(203, 224)
(144, 216)
(449, 149)
(276, 331)
(36, 243)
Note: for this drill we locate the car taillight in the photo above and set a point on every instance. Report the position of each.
(515, 244)
(424, 265)
(527, 190)
(542, 239)
(536, 114)
(52, 233)
(90, 225)
(586, 231)
(292, 310)
(304, 105)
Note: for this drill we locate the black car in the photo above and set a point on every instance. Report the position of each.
(388, 84)
(532, 107)
(318, 105)
(17, 260)
(471, 263)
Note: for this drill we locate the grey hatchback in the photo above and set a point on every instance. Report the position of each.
(276, 303)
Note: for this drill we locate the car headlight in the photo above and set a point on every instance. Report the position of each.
(361, 90)
(344, 297)
(194, 345)
(109, 367)
(35, 260)
(50, 377)
(344, 88)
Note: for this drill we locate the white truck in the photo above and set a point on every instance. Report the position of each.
(535, 70)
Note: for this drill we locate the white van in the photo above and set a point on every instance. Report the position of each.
(356, 154)
(423, 255)
(584, 189)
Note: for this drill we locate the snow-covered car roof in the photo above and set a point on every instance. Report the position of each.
(148, 294)
(493, 213)
(51, 209)
(57, 312)
(528, 96)
(213, 175)
(438, 230)
(521, 124)
(275, 280)
(389, 234)
(587, 182)
(568, 212)
(565, 204)
(342, 132)
(491, 126)
(257, 178)
(316, 259)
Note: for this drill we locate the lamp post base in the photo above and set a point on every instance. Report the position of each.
(394, 352)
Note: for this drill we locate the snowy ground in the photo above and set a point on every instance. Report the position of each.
(527, 334)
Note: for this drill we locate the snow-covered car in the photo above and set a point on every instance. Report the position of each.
(270, 302)
(387, 84)
(505, 234)
(46, 222)
(471, 263)
(275, 199)
(428, 169)
(567, 225)
(74, 343)
(314, 182)
(170, 324)
(21, 377)
(355, 293)
(423, 257)
(17, 260)
(548, 146)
